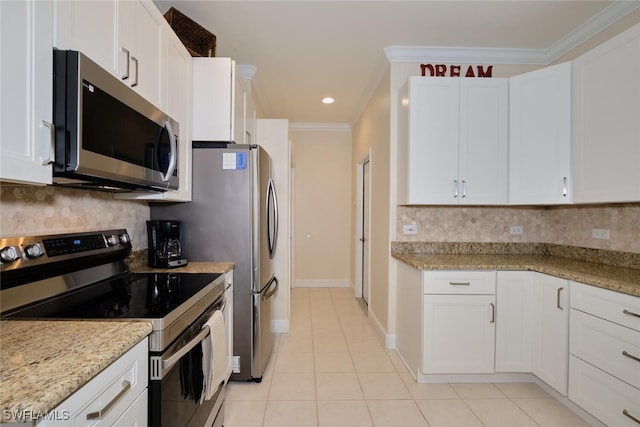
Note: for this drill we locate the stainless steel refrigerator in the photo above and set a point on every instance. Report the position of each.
(233, 216)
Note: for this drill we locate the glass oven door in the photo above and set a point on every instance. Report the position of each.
(176, 381)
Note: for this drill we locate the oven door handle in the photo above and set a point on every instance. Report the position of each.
(175, 357)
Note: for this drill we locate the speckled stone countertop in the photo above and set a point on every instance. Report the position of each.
(567, 263)
(44, 362)
(192, 267)
(138, 264)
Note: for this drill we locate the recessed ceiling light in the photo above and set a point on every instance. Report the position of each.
(328, 100)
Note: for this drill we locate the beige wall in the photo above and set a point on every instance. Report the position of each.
(565, 225)
(28, 211)
(371, 135)
(321, 207)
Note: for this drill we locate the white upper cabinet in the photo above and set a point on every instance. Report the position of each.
(26, 118)
(140, 54)
(453, 141)
(123, 37)
(540, 136)
(220, 102)
(606, 144)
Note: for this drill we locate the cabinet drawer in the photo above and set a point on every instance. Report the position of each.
(602, 395)
(612, 348)
(112, 391)
(459, 282)
(613, 306)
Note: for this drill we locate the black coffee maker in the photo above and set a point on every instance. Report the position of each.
(165, 250)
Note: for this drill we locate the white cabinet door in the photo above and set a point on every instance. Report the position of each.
(455, 151)
(140, 32)
(514, 345)
(218, 101)
(432, 154)
(458, 334)
(26, 118)
(136, 415)
(606, 153)
(551, 330)
(90, 27)
(484, 141)
(540, 136)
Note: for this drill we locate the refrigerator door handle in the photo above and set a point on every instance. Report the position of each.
(263, 291)
(271, 198)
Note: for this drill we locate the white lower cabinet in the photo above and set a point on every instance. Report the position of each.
(459, 333)
(228, 317)
(604, 362)
(459, 322)
(117, 396)
(514, 338)
(551, 330)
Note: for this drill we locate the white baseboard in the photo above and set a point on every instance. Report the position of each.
(322, 283)
(280, 326)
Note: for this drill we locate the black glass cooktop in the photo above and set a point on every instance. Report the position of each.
(132, 296)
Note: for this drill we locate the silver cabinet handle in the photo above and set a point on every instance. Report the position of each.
(558, 299)
(125, 76)
(630, 356)
(460, 283)
(564, 187)
(455, 188)
(135, 81)
(464, 189)
(52, 140)
(126, 385)
(493, 313)
(627, 414)
(630, 313)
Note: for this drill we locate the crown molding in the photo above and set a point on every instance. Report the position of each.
(326, 127)
(247, 71)
(584, 32)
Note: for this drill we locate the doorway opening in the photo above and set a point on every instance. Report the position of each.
(363, 217)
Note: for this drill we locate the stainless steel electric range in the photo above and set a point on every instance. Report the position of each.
(85, 276)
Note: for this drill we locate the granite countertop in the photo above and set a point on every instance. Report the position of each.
(613, 277)
(191, 267)
(44, 362)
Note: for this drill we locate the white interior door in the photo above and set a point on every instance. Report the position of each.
(365, 231)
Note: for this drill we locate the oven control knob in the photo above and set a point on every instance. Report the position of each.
(33, 251)
(113, 240)
(8, 254)
(124, 238)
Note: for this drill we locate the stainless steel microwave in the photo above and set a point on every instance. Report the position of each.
(107, 136)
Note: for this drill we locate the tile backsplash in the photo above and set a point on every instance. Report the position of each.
(564, 225)
(28, 210)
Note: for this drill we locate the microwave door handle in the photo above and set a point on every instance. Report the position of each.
(172, 144)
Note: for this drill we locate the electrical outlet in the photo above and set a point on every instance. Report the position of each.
(236, 365)
(516, 230)
(600, 233)
(409, 229)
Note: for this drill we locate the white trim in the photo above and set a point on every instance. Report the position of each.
(388, 340)
(280, 326)
(600, 21)
(323, 283)
(327, 127)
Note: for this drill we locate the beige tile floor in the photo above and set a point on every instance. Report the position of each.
(331, 370)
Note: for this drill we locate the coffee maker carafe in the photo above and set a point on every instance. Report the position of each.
(165, 250)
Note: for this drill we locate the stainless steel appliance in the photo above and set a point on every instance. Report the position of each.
(107, 136)
(233, 216)
(164, 248)
(84, 276)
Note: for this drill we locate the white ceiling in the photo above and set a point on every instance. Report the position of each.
(305, 50)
